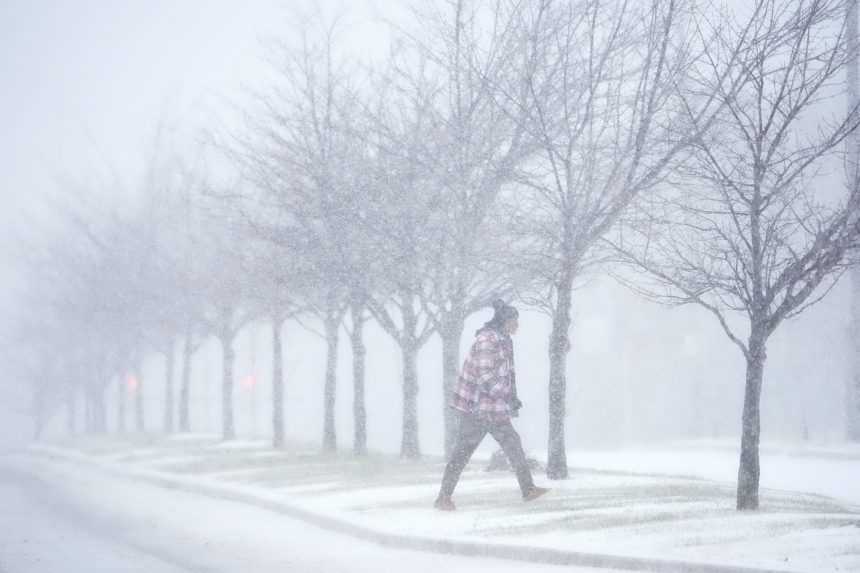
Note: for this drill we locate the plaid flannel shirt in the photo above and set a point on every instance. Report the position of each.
(486, 385)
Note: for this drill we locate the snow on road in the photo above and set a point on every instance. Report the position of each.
(87, 522)
(39, 533)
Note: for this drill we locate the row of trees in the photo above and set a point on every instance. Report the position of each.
(502, 149)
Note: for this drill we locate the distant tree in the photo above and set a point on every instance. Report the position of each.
(298, 152)
(224, 290)
(77, 290)
(190, 280)
(172, 220)
(32, 351)
(398, 213)
(471, 49)
(280, 286)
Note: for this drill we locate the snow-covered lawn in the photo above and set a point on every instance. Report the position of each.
(624, 503)
(829, 470)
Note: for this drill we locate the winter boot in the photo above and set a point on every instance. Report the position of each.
(534, 493)
(444, 504)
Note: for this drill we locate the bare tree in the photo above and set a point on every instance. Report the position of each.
(398, 215)
(297, 152)
(73, 301)
(752, 227)
(225, 292)
(181, 216)
(281, 283)
(471, 49)
(33, 353)
(601, 102)
(189, 218)
(169, 186)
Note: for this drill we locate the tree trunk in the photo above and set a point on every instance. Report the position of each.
(332, 322)
(852, 385)
(185, 389)
(228, 428)
(71, 413)
(169, 358)
(121, 394)
(559, 345)
(749, 470)
(359, 409)
(451, 333)
(277, 384)
(38, 414)
(88, 412)
(98, 409)
(138, 403)
(409, 447)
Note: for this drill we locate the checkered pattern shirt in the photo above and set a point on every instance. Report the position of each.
(486, 385)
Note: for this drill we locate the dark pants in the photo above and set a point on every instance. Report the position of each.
(471, 433)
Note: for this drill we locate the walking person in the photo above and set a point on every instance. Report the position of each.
(486, 400)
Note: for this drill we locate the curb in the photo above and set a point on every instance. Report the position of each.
(427, 544)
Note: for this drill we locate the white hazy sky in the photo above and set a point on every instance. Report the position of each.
(84, 83)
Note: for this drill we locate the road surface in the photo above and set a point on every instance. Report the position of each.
(87, 522)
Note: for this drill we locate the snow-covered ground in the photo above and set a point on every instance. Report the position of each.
(625, 504)
(88, 522)
(831, 470)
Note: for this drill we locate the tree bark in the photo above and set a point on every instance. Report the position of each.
(749, 470)
(559, 345)
(332, 322)
(140, 425)
(451, 333)
(228, 428)
(185, 388)
(88, 412)
(169, 359)
(121, 395)
(409, 446)
(38, 415)
(359, 408)
(852, 385)
(277, 384)
(71, 413)
(98, 409)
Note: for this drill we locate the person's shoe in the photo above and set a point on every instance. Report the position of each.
(534, 493)
(444, 504)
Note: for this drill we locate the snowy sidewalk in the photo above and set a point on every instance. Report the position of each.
(597, 518)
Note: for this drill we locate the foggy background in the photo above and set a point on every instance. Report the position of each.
(86, 83)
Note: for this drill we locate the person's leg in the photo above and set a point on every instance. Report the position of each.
(469, 436)
(509, 439)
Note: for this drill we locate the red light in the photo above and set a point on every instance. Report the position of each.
(249, 382)
(132, 383)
